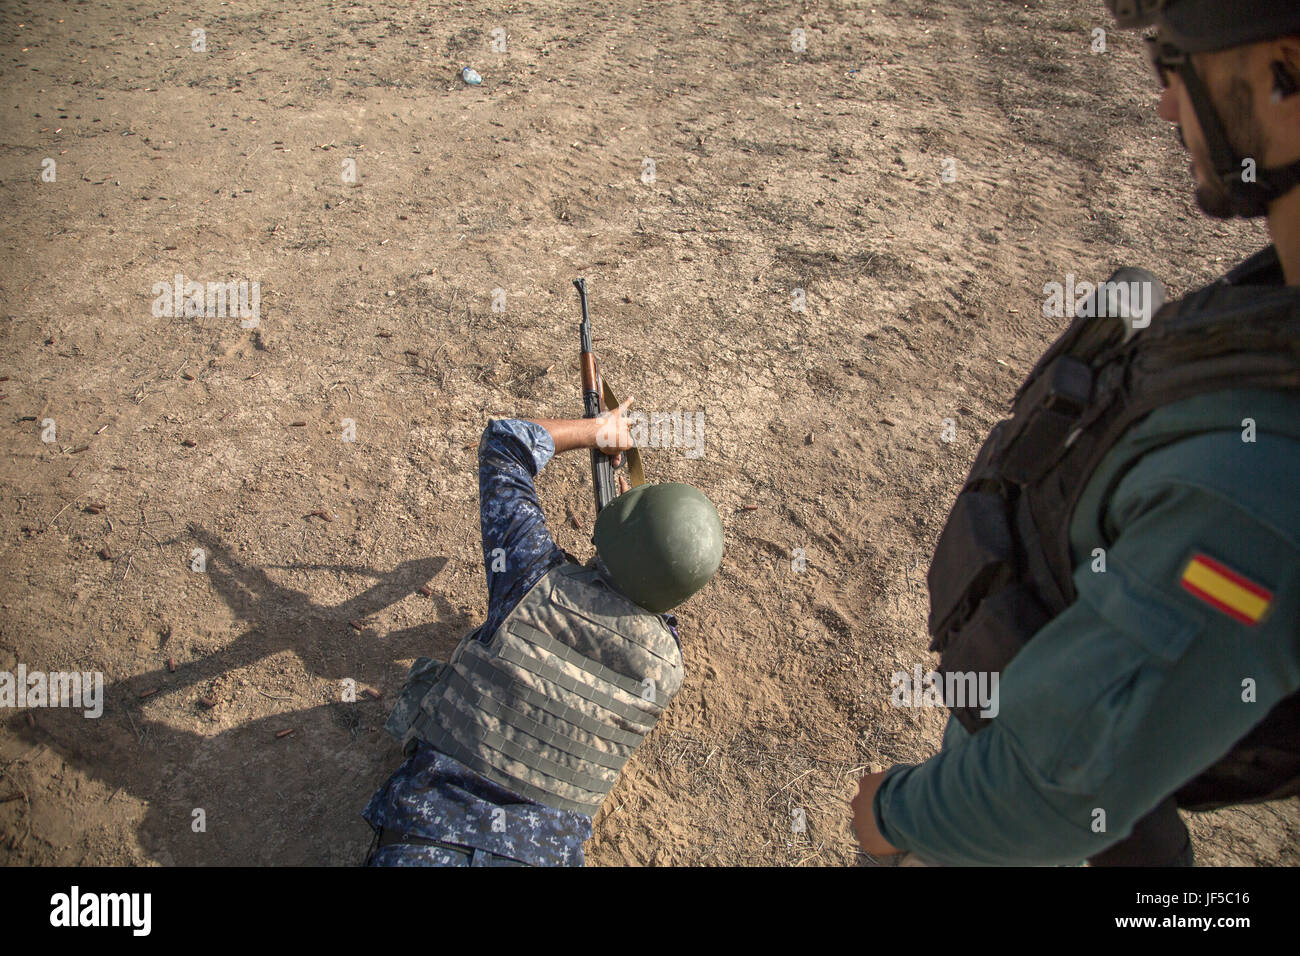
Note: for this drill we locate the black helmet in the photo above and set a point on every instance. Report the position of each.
(1184, 27)
(1197, 26)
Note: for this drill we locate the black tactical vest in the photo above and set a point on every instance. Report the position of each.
(1003, 566)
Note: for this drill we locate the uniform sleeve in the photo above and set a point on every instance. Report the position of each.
(517, 546)
(1141, 684)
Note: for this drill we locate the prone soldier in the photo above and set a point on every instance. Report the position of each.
(513, 744)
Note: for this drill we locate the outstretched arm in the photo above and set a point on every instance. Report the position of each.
(608, 431)
(517, 546)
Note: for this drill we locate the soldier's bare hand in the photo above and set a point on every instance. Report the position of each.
(864, 817)
(613, 436)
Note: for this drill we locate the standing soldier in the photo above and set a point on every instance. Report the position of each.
(1125, 553)
(513, 745)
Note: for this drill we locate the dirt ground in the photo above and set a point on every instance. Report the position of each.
(774, 170)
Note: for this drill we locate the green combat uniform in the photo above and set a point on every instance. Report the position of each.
(1125, 555)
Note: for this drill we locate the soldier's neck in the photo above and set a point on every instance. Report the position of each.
(1284, 227)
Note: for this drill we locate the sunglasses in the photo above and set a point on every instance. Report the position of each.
(1164, 57)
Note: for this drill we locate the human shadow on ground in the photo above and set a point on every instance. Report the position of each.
(266, 797)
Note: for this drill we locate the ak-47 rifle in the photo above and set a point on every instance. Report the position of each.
(594, 388)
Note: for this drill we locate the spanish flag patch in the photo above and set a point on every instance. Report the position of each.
(1225, 590)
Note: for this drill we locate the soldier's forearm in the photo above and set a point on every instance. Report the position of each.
(570, 433)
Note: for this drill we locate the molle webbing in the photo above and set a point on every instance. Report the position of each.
(1003, 565)
(557, 701)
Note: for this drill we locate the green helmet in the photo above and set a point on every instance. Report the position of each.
(659, 544)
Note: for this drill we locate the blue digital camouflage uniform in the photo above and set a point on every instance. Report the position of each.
(452, 815)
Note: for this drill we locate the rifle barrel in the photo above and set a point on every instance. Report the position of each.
(602, 469)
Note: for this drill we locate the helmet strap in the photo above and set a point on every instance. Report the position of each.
(1249, 199)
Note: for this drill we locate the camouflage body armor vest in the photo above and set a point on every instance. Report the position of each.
(554, 704)
(1003, 567)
